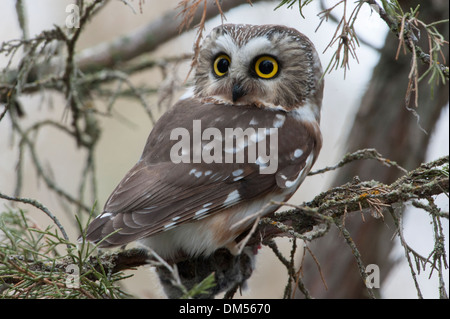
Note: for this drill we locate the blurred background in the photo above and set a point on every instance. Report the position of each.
(124, 134)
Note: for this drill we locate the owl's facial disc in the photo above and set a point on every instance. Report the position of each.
(267, 66)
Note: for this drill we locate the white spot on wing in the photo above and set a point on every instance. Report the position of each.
(279, 121)
(259, 135)
(302, 174)
(198, 174)
(238, 172)
(241, 144)
(232, 198)
(253, 121)
(201, 212)
(291, 183)
(298, 152)
(170, 225)
(261, 162)
(149, 207)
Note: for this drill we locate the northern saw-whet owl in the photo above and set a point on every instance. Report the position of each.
(205, 173)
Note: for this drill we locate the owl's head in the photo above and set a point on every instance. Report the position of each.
(270, 66)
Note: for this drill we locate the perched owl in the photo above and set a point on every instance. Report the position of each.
(248, 134)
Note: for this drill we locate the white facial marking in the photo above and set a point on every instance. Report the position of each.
(225, 43)
(257, 46)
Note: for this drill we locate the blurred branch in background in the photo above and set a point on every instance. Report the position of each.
(388, 120)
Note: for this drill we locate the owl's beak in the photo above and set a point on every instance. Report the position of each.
(238, 92)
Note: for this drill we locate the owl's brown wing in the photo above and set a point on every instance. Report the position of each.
(157, 194)
(156, 198)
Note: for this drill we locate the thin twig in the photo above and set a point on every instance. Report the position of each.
(368, 153)
(42, 208)
(356, 254)
(391, 22)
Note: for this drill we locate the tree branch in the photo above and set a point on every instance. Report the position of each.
(42, 208)
(407, 37)
(143, 40)
(301, 222)
(421, 183)
(108, 55)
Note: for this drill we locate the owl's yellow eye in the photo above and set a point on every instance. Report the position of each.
(266, 67)
(221, 65)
